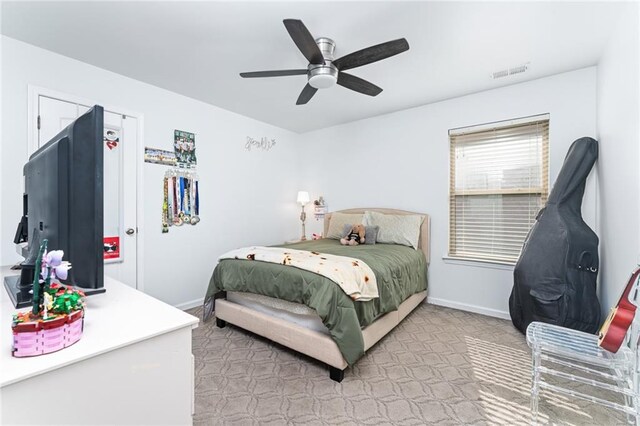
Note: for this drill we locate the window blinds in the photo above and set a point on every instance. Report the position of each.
(498, 183)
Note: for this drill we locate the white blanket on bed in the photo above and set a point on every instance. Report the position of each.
(354, 276)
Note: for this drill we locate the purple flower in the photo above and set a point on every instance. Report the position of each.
(53, 260)
(61, 271)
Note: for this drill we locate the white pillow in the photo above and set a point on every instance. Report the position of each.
(401, 229)
(339, 220)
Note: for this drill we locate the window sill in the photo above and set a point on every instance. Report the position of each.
(491, 264)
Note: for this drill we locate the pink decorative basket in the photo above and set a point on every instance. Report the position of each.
(43, 337)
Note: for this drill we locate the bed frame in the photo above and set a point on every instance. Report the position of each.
(313, 343)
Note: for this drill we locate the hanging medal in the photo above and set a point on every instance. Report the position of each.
(196, 206)
(170, 202)
(181, 204)
(165, 206)
(187, 202)
(174, 188)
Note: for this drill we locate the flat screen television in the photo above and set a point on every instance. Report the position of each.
(63, 203)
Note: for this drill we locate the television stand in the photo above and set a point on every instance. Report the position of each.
(20, 295)
(91, 291)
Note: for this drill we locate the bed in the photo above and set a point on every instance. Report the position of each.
(311, 314)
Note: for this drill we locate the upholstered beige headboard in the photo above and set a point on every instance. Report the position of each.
(423, 243)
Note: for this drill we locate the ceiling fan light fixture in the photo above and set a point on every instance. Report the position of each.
(322, 81)
(323, 76)
(324, 70)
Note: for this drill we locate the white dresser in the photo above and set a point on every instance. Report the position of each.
(133, 365)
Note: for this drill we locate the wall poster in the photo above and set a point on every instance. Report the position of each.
(159, 156)
(111, 247)
(184, 144)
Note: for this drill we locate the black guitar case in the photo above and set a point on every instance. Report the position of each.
(554, 280)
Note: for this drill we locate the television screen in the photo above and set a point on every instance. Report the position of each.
(64, 203)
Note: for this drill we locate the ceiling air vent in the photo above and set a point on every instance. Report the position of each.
(519, 69)
(500, 74)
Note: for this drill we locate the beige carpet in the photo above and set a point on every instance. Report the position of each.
(440, 366)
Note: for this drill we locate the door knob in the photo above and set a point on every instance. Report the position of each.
(130, 231)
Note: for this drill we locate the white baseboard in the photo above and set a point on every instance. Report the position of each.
(190, 304)
(469, 308)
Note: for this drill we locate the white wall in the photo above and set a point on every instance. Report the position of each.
(401, 160)
(397, 160)
(619, 134)
(246, 197)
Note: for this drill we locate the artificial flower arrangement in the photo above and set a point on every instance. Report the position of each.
(56, 319)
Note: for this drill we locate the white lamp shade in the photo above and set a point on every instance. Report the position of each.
(303, 197)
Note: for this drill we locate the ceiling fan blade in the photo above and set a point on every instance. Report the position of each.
(306, 94)
(357, 84)
(278, 73)
(304, 40)
(371, 54)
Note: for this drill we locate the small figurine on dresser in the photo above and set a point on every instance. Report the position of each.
(355, 236)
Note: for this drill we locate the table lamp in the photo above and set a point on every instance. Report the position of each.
(303, 199)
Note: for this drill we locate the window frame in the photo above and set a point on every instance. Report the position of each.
(518, 123)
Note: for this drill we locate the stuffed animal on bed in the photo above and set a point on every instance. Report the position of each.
(354, 237)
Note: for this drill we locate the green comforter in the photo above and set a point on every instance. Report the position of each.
(400, 271)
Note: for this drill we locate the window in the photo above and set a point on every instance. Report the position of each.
(498, 183)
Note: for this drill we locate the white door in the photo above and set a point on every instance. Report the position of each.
(120, 142)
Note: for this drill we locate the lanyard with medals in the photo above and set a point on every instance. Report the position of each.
(181, 199)
(174, 190)
(195, 218)
(165, 205)
(187, 201)
(169, 200)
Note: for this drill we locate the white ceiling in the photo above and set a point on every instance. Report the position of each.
(198, 48)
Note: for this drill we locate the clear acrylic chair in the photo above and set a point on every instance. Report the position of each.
(562, 357)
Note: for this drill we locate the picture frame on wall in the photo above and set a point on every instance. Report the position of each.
(184, 144)
(160, 156)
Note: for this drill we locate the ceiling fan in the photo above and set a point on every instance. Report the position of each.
(323, 70)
